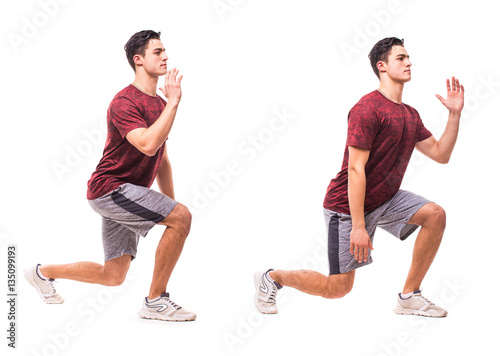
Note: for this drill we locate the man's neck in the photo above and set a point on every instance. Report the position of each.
(146, 83)
(392, 90)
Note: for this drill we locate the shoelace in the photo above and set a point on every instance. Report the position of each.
(420, 296)
(272, 296)
(51, 287)
(175, 306)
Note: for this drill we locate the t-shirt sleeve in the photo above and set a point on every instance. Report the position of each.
(125, 116)
(362, 126)
(422, 133)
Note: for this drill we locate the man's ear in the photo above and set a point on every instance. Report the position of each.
(138, 60)
(381, 67)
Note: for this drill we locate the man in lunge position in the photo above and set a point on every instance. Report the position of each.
(382, 133)
(139, 122)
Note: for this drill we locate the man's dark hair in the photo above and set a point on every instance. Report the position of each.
(381, 51)
(138, 43)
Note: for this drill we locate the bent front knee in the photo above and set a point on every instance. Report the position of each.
(180, 219)
(436, 217)
(185, 220)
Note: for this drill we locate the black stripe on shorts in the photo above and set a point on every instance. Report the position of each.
(134, 208)
(333, 245)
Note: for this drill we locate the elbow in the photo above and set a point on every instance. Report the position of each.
(441, 154)
(148, 147)
(142, 143)
(149, 150)
(356, 170)
(443, 159)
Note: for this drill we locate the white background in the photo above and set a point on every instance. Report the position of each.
(242, 64)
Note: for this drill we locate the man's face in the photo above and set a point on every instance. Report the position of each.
(397, 66)
(154, 61)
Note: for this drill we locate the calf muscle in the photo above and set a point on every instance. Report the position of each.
(315, 283)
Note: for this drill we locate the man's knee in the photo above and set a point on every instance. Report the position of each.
(115, 270)
(185, 219)
(339, 286)
(179, 218)
(115, 280)
(436, 216)
(338, 292)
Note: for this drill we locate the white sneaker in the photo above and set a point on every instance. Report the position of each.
(162, 308)
(418, 305)
(265, 292)
(44, 287)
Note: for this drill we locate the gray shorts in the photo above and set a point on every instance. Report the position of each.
(392, 216)
(128, 212)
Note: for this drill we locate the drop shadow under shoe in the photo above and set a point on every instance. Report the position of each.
(163, 308)
(418, 305)
(44, 287)
(265, 292)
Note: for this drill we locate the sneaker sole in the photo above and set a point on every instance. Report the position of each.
(153, 316)
(402, 311)
(256, 281)
(27, 275)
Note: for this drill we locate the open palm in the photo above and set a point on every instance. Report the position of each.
(454, 101)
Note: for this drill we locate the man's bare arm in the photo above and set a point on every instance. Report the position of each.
(149, 140)
(440, 151)
(164, 176)
(356, 190)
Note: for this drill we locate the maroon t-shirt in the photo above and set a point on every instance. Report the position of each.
(121, 162)
(389, 131)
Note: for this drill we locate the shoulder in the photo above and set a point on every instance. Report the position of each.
(373, 98)
(125, 101)
(366, 105)
(123, 95)
(128, 94)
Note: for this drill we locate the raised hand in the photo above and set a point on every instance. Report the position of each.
(172, 89)
(454, 101)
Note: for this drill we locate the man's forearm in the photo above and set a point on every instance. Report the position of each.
(164, 179)
(441, 150)
(154, 136)
(356, 190)
(446, 143)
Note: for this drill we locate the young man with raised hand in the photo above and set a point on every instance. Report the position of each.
(382, 134)
(135, 154)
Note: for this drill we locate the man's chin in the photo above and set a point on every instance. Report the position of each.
(406, 79)
(160, 72)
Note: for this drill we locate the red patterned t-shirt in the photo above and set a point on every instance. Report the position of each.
(121, 162)
(389, 131)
